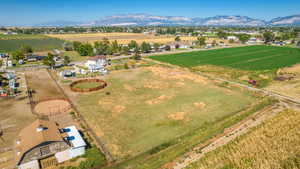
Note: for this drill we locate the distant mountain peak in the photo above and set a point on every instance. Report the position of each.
(143, 19)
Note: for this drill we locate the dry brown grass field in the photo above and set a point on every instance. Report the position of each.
(289, 87)
(42, 84)
(145, 107)
(122, 38)
(273, 145)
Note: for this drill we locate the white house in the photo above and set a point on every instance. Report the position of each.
(97, 64)
(234, 38)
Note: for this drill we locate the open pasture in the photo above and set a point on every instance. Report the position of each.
(122, 38)
(245, 58)
(147, 107)
(10, 43)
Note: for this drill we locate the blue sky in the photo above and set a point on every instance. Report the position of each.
(26, 12)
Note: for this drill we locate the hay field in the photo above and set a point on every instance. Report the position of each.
(273, 145)
(244, 58)
(146, 107)
(122, 38)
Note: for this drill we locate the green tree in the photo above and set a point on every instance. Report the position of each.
(222, 35)
(125, 50)
(86, 50)
(26, 49)
(133, 45)
(177, 39)
(145, 47)
(156, 46)
(244, 38)
(18, 55)
(115, 47)
(102, 48)
(201, 41)
(268, 36)
(67, 60)
(76, 45)
(49, 60)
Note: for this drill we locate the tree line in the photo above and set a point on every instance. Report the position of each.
(106, 47)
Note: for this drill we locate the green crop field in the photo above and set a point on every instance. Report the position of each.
(10, 43)
(246, 58)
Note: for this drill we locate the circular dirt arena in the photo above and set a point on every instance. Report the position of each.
(88, 85)
(52, 107)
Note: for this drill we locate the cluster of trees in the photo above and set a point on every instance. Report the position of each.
(160, 30)
(105, 47)
(22, 52)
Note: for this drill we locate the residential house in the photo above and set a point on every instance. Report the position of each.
(45, 139)
(232, 38)
(97, 64)
(4, 55)
(68, 73)
(180, 45)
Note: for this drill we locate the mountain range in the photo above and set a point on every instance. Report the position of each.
(154, 20)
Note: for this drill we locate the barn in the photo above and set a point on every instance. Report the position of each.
(45, 139)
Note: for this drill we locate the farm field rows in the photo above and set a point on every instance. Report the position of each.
(245, 58)
(122, 38)
(272, 145)
(140, 110)
(10, 43)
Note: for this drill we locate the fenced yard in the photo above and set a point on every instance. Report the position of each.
(148, 107)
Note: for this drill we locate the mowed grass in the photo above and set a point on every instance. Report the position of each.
(147, 107)
(87, 85)
(273, 145)
(10, 43)
(245, 58)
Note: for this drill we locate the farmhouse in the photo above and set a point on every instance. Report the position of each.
(234, 38)
(43, 140)
(97, 64)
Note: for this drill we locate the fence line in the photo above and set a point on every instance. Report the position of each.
(99, 141)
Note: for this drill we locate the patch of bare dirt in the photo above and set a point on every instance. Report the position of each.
(177, 116)
(244, 78)
(156, 85)
(287, 70)
(175, 74)
(129, 88)
(158, 100)
(118, 109)
(180, 84)
(200, 105)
